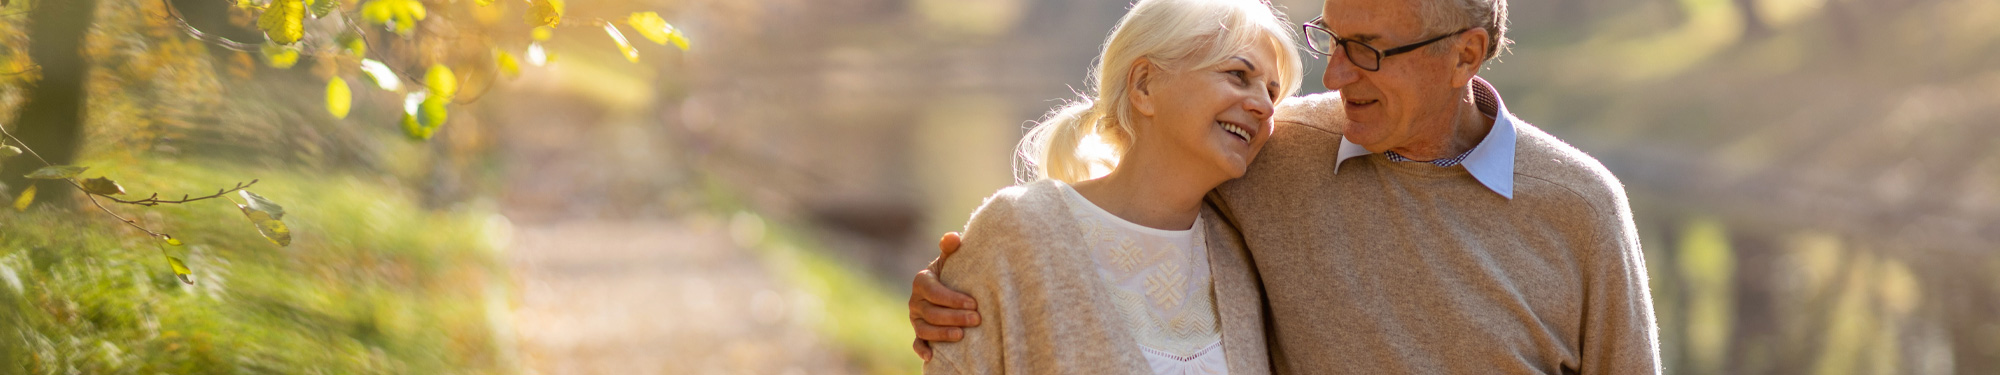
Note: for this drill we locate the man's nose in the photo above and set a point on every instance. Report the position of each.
(1339, 71)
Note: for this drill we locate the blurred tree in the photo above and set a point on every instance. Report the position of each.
(52, 117)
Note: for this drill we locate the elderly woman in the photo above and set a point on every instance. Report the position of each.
(1102, 265)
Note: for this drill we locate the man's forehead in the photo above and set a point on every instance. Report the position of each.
(1367, 20)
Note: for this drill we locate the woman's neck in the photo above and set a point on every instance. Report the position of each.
(1155, 195)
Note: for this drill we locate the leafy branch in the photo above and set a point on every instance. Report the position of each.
(154, 200)
(425, 110)
(263, 213)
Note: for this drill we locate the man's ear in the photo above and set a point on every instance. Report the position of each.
(1138, 86)
(1470, 54)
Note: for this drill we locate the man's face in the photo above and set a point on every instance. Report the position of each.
(1411, 97)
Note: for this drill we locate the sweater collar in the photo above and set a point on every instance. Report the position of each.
(1491, 162)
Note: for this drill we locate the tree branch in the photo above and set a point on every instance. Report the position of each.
(155, 199)
(149, 201)
(190, 30)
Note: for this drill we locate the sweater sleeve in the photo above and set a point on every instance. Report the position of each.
(1619, 333)
(981, 269)
(1037, 307)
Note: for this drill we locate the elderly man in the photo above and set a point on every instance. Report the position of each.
(1407, 223)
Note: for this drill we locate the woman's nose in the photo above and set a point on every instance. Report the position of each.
(1259, 105)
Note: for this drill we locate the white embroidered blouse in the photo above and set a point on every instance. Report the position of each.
(1159, 282)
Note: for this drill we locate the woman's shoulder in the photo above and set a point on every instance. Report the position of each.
(1022, 207)
(1022, 226)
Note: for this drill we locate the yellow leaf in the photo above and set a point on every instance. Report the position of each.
(542, 33)
(504, 60)
(355, 45)
(56, 172)
(679, 39)
(401, 15)
(280, 57)
(283, 21)
(631, 54)
(415, 130)
(171, 240)
(441, 81)
(431, 114)
(27, 197)
(651, 26)
(543, 13)
(338, 97)
(181, 270)
(102, 186)
(266, 216)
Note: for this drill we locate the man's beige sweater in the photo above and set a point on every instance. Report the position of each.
(1044, 310)
(1410, 268)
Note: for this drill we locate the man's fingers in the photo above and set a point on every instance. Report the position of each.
(947, 245)
(928, 288)
(923, 349)
(928, 332)
(948, 317)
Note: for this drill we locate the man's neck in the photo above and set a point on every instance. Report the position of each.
(1468, 127)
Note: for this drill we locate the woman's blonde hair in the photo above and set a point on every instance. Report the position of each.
(1173, 35)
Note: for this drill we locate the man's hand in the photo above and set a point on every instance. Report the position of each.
(937, 312)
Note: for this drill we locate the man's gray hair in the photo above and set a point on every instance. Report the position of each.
(1443, 16)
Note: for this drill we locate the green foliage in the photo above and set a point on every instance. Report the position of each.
(375, 285)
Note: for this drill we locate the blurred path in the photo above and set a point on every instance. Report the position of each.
(658, 297)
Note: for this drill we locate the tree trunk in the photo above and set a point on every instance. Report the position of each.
(51, 119)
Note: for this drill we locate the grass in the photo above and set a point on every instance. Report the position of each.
(371, 283)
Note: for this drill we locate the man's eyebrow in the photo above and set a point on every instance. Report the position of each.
(1253, 67)
(1364, 38)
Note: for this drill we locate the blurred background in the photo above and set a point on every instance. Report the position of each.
(1816, 181)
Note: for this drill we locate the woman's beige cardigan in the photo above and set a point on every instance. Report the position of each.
(1044, 310)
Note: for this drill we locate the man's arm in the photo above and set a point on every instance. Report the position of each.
(1619, 332)
(939, 313)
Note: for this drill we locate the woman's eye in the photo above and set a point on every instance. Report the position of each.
(1241, 76)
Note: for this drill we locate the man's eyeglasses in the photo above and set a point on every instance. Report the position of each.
(1323, 41)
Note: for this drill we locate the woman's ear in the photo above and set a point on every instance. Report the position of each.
(1138, 84)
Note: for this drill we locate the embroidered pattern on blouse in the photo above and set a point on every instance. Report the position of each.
(1162, 288)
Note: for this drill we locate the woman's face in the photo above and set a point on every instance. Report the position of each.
(1210, 119)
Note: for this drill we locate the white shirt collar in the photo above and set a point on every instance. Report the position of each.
(1491, 161)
